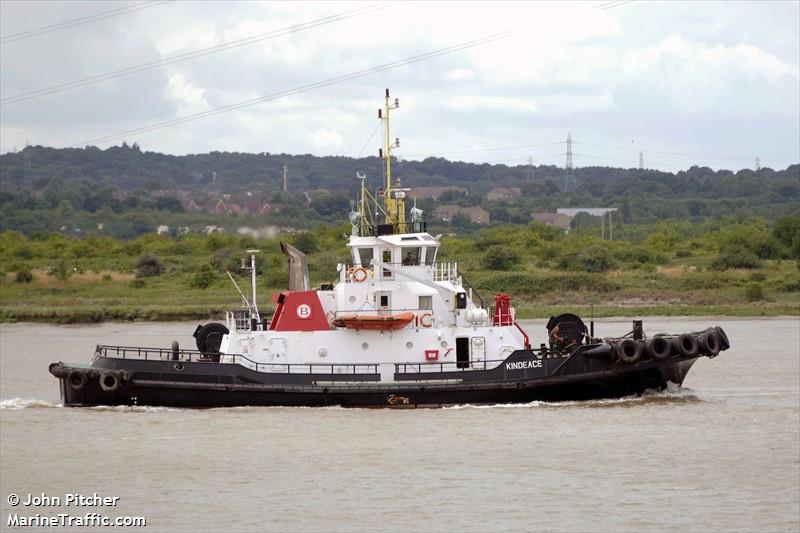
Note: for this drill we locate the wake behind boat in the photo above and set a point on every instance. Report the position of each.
(398, 329)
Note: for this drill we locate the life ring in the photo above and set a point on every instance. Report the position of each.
(109, 382)
(77, 380)
(426, 320)
(359, 275)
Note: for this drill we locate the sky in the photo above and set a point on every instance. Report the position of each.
(684, 83)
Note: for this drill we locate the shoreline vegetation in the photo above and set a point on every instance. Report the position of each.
(736, 267)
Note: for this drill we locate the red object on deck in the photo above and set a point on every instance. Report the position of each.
(502, 310)
(431, 355)
(375, 322)
(299, 311)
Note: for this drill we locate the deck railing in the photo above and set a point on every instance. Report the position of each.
(446, 366)
(445, 272)
(188, 356)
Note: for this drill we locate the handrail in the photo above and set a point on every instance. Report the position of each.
(136, 352)
(467, 284)
(466, 366)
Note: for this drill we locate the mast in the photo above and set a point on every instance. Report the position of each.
(254, 312)
(392, 199)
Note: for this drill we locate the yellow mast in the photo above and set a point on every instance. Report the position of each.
(395, 206)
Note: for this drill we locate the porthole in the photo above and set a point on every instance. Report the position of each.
(364, 346)
(409, 345)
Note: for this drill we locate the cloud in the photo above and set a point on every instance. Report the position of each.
(679, 76)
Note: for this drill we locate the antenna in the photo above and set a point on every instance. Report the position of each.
(641, 160)
(395, 207)
(570, 183)
(758, 163)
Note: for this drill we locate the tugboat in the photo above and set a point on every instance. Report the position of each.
(399, 329)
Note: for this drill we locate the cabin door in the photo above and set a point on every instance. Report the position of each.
(462, 352)
(277, 349)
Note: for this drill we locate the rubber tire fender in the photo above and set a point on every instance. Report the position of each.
(629, 351)
(724, 343)
(201, 336)
(686, 345)
(113, 386)
(659, 348)
(77, 380)
(709, 342)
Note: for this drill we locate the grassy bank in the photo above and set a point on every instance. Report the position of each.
(656, 270)
(96, 298)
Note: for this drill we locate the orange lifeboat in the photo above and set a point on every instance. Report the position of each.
(374, 322)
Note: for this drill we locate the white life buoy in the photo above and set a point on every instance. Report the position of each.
(359, 275)
(426, 320)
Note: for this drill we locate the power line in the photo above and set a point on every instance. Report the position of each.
(302, 88)
(676, 154)
(476, 150)
(78, 21)
(521, 159)
(192, 54)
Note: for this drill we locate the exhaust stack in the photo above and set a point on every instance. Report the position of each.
(298, 268)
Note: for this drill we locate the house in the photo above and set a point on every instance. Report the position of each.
(503, 193)
(445, 212)
(191, 205)
(593, 211)
(162, 229)
(476, 215)
(220, 208)
(557, 220)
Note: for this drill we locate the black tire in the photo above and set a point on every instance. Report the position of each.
(109, 382)
(724, 343)
(209, 338)
(659, 348)
(629, 351)
(77, 380)
(709, 342)
(686, 345)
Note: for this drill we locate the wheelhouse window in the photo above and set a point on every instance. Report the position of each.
(430, 255)
(365, 256)
(426, 303)
(386, 257)
(411, 256)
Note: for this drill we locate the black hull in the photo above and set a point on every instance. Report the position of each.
(208, 384)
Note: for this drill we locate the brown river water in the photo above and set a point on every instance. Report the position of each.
(720, 454)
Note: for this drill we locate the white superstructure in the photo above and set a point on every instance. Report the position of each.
(393, 303)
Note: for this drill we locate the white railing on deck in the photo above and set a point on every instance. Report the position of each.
(445, 271)
(240, 319)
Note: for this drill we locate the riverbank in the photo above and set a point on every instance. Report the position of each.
(158, 278)
(77, 314)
